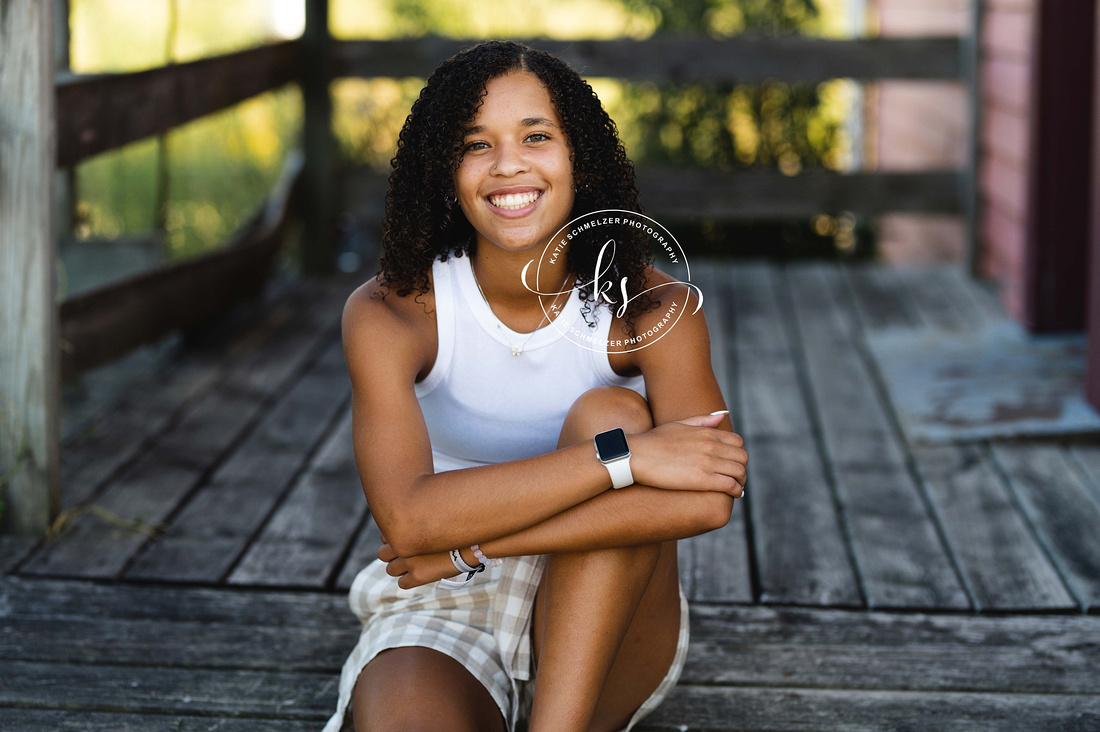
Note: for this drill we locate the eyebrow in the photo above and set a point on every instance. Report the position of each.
(526, 122)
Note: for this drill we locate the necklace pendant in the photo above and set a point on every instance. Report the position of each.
(516, 351)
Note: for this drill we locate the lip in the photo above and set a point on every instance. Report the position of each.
(515, 213)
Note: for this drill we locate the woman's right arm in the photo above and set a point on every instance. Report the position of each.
(418, 510)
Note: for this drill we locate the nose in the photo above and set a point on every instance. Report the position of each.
(511, 159)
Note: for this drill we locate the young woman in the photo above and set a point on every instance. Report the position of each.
(487, 439)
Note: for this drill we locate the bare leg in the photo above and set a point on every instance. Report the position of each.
(606, 622)
(415, 688)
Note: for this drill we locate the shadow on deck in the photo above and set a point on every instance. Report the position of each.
(215, 522)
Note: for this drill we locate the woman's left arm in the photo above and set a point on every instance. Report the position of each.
(679, 383)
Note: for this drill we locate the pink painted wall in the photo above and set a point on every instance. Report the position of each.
(1006, 84)
(924, 125)
(918, 125)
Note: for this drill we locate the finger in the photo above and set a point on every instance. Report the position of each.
(733, 469)
(705, 420)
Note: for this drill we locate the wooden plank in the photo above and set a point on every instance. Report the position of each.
(179, 644)
(1086, 456)
(1062, 509)
(41, 599)
(715, 566)
(364, 550)
(938, 302)
(686, 58)
(55, 720)
(693, 194)
(839, 649)
(13, 550)
(302, 543)
(731, 644)
(1001, 565)
(150, 404)
(982, 293)
(802, 561)
(1004, 568)
(895, 539)
(29, 381)
(842, 710)
(771, 196)
(877, 300)
(180, 459)
(100, 325)
(211, 532)
(156, 690)
(102, 112)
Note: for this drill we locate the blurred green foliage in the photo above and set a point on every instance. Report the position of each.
(788, 127)
(221, 167)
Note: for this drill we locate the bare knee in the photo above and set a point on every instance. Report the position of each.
(604, 408)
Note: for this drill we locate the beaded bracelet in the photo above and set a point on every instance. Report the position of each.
(484, 559)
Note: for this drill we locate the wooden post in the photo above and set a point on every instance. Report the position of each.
(318, 184)
(29, 386)
(1056, 247)
(970, 190)
(1092, 325)
(65, 179)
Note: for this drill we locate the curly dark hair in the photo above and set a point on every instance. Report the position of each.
(422, 223)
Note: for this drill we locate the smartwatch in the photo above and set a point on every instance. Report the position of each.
(614, 453)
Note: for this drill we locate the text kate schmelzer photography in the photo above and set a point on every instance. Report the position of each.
(593, 227)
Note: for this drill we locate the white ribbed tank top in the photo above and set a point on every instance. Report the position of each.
(482, 404)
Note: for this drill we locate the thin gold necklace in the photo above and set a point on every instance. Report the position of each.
(517, 350)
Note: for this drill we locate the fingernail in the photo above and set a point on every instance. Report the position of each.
(720, 411)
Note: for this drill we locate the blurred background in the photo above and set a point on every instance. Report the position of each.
(177, 195)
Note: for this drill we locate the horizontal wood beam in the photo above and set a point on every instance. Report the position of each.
(761, 196)
(772, 196)
(101, 112)
(102, 325)
(687, 58)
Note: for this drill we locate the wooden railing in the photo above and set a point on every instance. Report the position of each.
(691, 193)
(95, 114)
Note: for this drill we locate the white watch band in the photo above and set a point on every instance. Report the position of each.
(620, 472)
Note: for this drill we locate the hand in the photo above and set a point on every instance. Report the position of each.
(690, 454)
(415, 571)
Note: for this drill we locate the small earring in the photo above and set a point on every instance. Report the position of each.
(454, 200)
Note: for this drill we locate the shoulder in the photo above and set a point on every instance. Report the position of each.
(676, 328)
(375, 315)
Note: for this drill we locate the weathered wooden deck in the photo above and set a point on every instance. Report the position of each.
(863, 584)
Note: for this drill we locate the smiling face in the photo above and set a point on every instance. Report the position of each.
(515, 180)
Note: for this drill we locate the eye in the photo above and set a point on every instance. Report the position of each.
(472, 145)
(543, 135)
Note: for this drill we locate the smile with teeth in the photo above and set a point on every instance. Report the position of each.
(515, 200)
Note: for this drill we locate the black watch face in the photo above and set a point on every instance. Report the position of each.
(612, 444)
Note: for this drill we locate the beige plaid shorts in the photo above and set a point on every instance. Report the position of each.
(484, 625)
